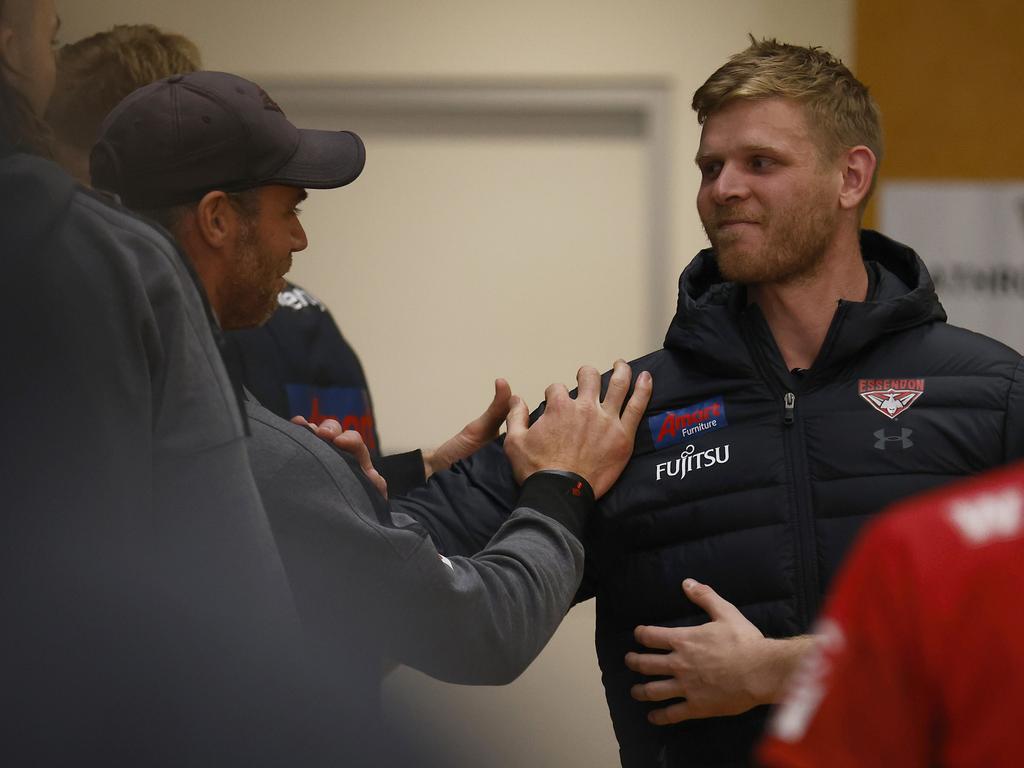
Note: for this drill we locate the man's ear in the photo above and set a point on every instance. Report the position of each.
(217, 221)
(858, 168)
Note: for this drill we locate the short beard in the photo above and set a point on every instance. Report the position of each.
(247, 300)
(793, 251)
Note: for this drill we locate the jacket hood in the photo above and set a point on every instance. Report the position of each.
(902, 296)
(34, 195)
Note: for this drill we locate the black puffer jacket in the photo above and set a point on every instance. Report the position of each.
(755, 480)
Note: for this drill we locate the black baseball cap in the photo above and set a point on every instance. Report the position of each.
(174, 140)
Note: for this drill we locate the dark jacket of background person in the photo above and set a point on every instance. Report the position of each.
(764, 504)
(147, 619)
(298, 363)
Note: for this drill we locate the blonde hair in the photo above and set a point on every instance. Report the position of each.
(97, 72)
(838, 106)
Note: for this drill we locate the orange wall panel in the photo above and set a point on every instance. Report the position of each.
(949, 77)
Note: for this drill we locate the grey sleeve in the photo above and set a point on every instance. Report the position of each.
(479, 619)
(483, 619)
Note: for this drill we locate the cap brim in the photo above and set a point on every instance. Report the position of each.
(323, 160)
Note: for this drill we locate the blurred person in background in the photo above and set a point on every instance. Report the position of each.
(298, 363)
(918, 663)
(96, 72)
(147, 617)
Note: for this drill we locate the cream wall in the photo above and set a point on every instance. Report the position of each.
(555, 714)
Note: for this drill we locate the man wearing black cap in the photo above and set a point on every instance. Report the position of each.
(298, 363)
(212, 157)
(183, 139)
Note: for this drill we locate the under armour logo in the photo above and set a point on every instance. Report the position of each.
(903, 438)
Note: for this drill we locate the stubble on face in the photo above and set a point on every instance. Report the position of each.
(766, 200)
(253, 283)
(791, 247)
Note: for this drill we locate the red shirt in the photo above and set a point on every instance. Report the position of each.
(922, 654)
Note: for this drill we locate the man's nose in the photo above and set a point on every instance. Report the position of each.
(730, 185)
(299, 240)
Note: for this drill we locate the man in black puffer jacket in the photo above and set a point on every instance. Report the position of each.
(808, 379)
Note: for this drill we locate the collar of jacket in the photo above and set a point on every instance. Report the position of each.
(34, 195)
(709, 309)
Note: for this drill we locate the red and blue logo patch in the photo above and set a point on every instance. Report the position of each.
(673, 427)
(349, 406)
(890, 397)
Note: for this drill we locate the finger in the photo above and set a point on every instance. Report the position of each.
(637, 404)
(652, 664)
(301, 421)
(555, 393)
(351, 442)
(329, 429)
(657, 637)
(378, 481)
(618, 385)
(589, 381)
(669, 715)
(658, 690)
(518, 419)
(714, 605)
(499, 405)
(485, 426)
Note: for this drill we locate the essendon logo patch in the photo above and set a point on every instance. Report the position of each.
(891, 397)
(673, 427)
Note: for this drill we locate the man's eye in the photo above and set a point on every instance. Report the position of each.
(296, 210)
(761, 163)
(710, 170)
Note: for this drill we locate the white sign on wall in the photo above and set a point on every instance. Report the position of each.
(971, 237)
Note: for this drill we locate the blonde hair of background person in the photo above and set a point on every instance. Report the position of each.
(94, 74)
(839, 108)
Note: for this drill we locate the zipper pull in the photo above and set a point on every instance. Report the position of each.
(790, 402)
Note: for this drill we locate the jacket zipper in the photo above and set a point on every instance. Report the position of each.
(807, 553)
(806, 587)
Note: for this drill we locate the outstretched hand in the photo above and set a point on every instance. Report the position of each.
(584, 435)
(474, 436)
